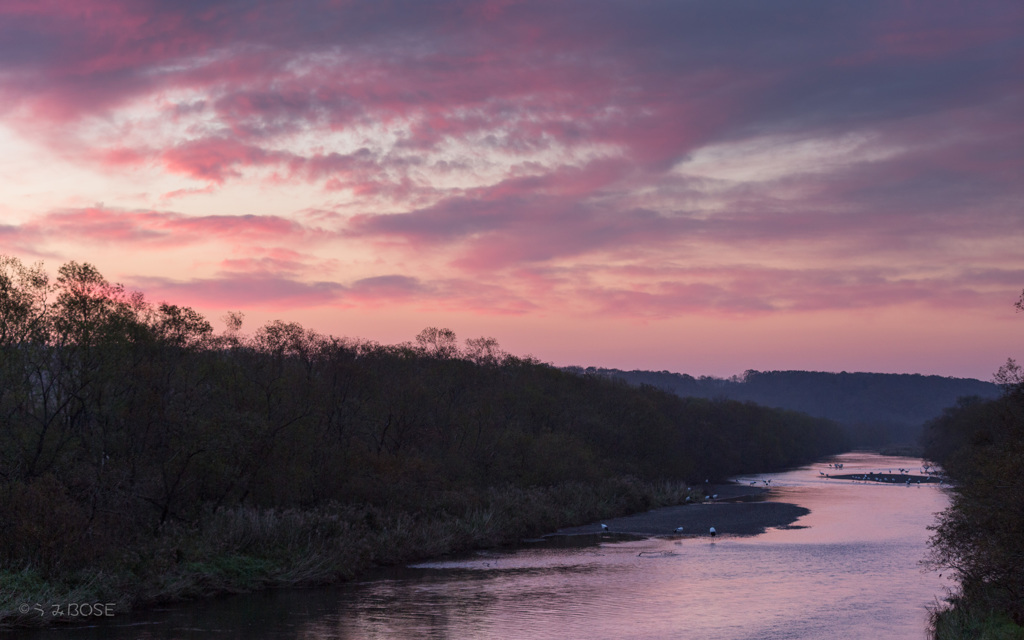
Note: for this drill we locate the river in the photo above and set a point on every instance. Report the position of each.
(850, 569)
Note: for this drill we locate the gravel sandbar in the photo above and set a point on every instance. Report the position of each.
(739, 510)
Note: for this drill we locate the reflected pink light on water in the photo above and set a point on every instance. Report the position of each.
(850, 568)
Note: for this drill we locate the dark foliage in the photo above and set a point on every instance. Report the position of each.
(980, 536)
(119, 419)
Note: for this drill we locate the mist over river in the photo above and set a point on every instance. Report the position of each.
(850, 569)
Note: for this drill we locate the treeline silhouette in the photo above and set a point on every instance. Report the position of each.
(980, 445)
(121, 420)
(875, 409)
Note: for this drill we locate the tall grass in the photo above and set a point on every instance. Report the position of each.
(957, 621)
(246, 548)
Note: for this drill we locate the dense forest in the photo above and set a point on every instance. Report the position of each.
(980, 537)
(875, 409)
(138, 444)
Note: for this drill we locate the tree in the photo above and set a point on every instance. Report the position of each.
(90, 310)
(484, 351)
(23, 297)
(181, 326)
(438, 343)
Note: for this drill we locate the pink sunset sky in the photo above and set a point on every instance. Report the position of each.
(698, 186)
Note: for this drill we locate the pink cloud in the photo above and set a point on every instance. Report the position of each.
(757, 291)
(445, 294)
(655, 83)
(527, 219)
(276, 260)
(162, 228)
(247, 284)
(257, 291)
(215, 159)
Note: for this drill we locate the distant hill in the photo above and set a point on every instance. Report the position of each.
(876, 409)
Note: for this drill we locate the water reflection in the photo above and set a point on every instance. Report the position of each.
(850, 569)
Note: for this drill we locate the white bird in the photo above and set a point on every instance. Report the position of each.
(604, 527)
(714, 497)
(713, 532)
(679, 529)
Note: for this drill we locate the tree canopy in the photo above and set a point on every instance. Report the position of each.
(122, 417)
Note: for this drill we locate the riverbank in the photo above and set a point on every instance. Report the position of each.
(738, 510)
(246, 549)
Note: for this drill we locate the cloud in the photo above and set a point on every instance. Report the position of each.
(753, 290)
(643, 159)
(163, 228)
(259, 291)
(276, 261)
(249, 285)
(393, 286)
(215, 159)
(470, 123)
(444, 294)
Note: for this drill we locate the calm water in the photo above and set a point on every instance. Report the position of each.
(852, 571)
